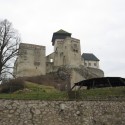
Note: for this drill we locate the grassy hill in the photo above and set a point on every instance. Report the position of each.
(35, 91)
(44, 88)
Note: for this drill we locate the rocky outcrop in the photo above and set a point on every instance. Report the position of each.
(77, 73)
(86, 72)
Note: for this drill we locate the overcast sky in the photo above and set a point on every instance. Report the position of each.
(99, 24)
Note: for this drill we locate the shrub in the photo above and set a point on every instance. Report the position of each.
(12, 86)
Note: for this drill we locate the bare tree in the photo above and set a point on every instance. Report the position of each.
(9, 43)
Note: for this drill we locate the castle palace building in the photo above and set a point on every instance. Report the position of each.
(32, 60)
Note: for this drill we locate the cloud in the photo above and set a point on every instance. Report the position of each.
(99, 24)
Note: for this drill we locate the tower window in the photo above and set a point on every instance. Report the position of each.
(89, 64)
(36, 63)
(51, 60)
(85, 64)
(95, 64)
(75, 47)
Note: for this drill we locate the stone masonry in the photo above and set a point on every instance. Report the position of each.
(36, 112)
(30, 61)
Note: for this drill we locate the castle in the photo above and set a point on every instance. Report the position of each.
(67, 57)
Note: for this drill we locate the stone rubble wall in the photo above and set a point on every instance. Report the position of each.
(36, 112)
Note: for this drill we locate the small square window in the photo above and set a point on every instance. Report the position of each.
(89, 64)
(95, 64)
(51, 60)
(36, 63)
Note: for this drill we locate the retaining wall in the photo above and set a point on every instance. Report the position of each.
(31, 112)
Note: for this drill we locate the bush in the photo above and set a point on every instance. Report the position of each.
(12, 86)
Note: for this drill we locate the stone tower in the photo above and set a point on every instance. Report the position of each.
(30, 61)
(67, 50)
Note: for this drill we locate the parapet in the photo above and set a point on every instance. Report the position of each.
(30, 46)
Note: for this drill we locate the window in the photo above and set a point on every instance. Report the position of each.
(95, 64)
(56, 49)
(51, 60)
(89, 64)
(36, 63)
(77, 51)
(75, 45)
(85, 64)
(75, 48)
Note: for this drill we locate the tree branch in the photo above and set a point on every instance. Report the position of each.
(9, 43)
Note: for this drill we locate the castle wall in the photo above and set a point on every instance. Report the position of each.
(82, 73)
(67, 52)
(58, 55)
(49, 63)
(76, 77)
(97, 72)
(30, 61)
(56, 43)
(72, 52)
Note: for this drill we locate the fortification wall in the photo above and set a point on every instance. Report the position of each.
(76, 77)
(35, 112)
(96, 71)
(30, 61)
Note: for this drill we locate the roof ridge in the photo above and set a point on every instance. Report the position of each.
(62, 31)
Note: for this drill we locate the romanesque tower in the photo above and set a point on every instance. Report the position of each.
(67, 49)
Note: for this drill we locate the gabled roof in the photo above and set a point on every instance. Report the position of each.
(89, 57)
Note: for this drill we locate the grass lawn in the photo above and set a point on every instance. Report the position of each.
(41, 92)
